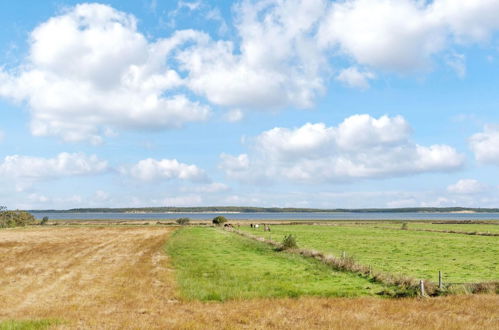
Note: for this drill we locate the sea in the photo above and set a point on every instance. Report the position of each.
(256, 216)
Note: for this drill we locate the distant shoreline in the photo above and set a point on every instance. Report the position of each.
(253, 210)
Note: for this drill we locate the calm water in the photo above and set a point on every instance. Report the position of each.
(273, 216)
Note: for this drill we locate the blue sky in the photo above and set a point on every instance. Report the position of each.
(358, 103)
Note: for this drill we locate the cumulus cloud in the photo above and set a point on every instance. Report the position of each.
(277, 62)
(403, 35)
(352, 77)
(150, 169)
(63, 165)
(89, 71)
(466, 186)
(234, 115)
(359, 147)
(485, 145)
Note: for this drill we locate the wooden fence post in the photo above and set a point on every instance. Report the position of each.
(440, 284)
(421, 288)
(343, 254)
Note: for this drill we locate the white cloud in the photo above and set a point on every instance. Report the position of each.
(234, 115)
(63, 165)
(189, 200)
(485, 145)
(360, 147)
(276, 64)
(352, 77)
(89, 71)
(165, 169)
(403, 35)
(457, 62)
(214, 187)
(466, 186)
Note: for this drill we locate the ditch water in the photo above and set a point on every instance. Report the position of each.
(313, 216)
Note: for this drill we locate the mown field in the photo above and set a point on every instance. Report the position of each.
(212, 264)
(419, 254)
(119, 277)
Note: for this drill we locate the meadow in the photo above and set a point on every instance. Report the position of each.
(418, 254)
(212, 264)
(119, 277)
(491, 228)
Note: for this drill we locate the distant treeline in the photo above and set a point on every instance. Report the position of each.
(251, 209)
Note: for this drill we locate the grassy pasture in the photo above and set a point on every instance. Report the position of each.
(479, 228)
(27, 324)
(419, 254)
(216, 265)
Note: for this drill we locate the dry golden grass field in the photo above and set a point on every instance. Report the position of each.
(114, 277)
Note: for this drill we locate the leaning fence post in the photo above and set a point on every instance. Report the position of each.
(440, 284)
(421, 288)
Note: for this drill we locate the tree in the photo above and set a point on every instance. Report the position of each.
(44, 220)
(183, 221)
(220, 220)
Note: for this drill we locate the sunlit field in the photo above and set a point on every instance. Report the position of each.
(118, 277)
(419, 254)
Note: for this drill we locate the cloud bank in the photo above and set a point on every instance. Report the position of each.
(360, 147)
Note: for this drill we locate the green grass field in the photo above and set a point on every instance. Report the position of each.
(212, 264)
(27, 324)
(480, 228)
(461, 258)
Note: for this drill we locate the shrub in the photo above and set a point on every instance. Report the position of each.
(220, 220)
(289, 242)
(183, 221)
(44, 221)
(9, 219)
(405, 226)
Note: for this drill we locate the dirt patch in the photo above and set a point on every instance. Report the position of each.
(119, 278)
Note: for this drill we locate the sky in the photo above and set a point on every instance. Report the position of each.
(273, 103)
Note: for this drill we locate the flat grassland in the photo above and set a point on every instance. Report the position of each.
(492, 228)
(419, 254)
(213, 264)
(120, 278)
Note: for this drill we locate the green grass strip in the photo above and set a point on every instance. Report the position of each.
(27, 324)
(216, 265)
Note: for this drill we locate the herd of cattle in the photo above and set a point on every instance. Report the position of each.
(255, 226)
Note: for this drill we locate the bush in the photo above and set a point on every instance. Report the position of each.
(9, 219)
(405, 226)
(289, 242)
(220, 220)
(183, 221)
(44, 221)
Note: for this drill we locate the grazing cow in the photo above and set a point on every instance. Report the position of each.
(251, 225)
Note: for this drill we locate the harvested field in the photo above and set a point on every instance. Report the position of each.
(118, 277)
